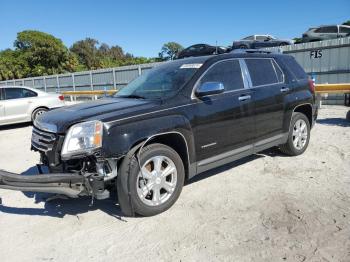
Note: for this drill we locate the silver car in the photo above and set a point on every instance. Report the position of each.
(326, 32)
(23, 104)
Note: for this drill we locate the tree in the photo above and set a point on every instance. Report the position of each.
(38, 53)
(347, 23)
(12, 65)
(87, 53)
(170, 50)
(297, 40)
(44, 53)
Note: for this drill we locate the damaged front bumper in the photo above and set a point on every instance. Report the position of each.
(69, 184)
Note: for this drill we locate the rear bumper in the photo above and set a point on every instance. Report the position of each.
(72, 185)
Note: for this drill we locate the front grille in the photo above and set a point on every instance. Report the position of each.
(42, 140)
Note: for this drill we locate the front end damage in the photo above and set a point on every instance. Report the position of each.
(90, 175)
(69, 184)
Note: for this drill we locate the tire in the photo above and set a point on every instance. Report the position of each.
(299, 141)
(37, 112)
(243, 47)
(133, 194)
(283, 44)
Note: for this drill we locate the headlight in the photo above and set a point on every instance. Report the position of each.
(83, 138)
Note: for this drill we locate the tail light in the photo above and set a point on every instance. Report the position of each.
(61, 97)
(312, 86)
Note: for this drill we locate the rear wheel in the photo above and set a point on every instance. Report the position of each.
(37, 112)
(243, 47)
(157, 186)
(298, 137)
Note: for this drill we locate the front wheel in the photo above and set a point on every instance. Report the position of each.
(298, 136)
(156, 186)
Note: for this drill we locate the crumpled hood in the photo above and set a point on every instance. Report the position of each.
(107, 109)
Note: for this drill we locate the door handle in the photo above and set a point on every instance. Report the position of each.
(244, 97)
(284, 89)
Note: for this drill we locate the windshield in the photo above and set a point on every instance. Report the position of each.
(162, 81)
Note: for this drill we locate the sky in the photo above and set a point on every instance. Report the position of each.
(142, 27)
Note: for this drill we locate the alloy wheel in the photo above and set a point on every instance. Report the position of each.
(300, 134)
(157, 181)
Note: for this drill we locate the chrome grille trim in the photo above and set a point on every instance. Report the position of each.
(42, 140)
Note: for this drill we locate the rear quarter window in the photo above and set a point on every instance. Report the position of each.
(295, 68)
(262, 71)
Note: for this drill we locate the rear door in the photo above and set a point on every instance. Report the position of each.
(223, 122)
(17, 104)
(344, 31)
(269, 90)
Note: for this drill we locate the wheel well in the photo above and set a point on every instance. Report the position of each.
(177, 142)
(306, 110)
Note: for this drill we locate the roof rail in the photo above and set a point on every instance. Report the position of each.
(259, 51)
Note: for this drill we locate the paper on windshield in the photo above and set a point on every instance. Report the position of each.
(191, 66)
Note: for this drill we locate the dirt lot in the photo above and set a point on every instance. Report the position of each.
(267, 207)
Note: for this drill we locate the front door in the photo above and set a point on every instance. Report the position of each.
(223, 124)
(17, 103)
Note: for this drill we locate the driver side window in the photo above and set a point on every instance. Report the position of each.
(261, 38)
(226, 72)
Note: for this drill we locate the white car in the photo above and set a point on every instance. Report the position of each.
(326, 32)
(23, 104)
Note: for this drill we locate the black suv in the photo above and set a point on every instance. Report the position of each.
(177, 120)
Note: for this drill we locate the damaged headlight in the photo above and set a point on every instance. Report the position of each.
(83, 138)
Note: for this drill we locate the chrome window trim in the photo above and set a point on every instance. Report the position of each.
(246, 72)
(194, 97)
(270, 58)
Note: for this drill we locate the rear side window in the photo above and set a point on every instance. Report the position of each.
(345, 30)
(296, 69)
(15, 93)
(278, 71)
(327, 29)
(262, 71)
(227, 72)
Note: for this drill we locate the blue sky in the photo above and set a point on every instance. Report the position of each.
(141, 27)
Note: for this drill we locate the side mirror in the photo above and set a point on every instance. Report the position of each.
(210, 88)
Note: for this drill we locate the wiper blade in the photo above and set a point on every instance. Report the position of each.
(133, 96)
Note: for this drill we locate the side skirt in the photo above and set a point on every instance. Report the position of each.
(241, 152)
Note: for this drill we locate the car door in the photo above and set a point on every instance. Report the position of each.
(261, 41)
(344, 31)
(327, 32)
(269, 90)
(17, 104)
(223, 124)
(2, 107)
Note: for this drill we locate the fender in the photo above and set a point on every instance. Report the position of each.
(297, 99)
(119, 139)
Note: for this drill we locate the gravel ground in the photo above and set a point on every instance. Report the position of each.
(266, 207)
